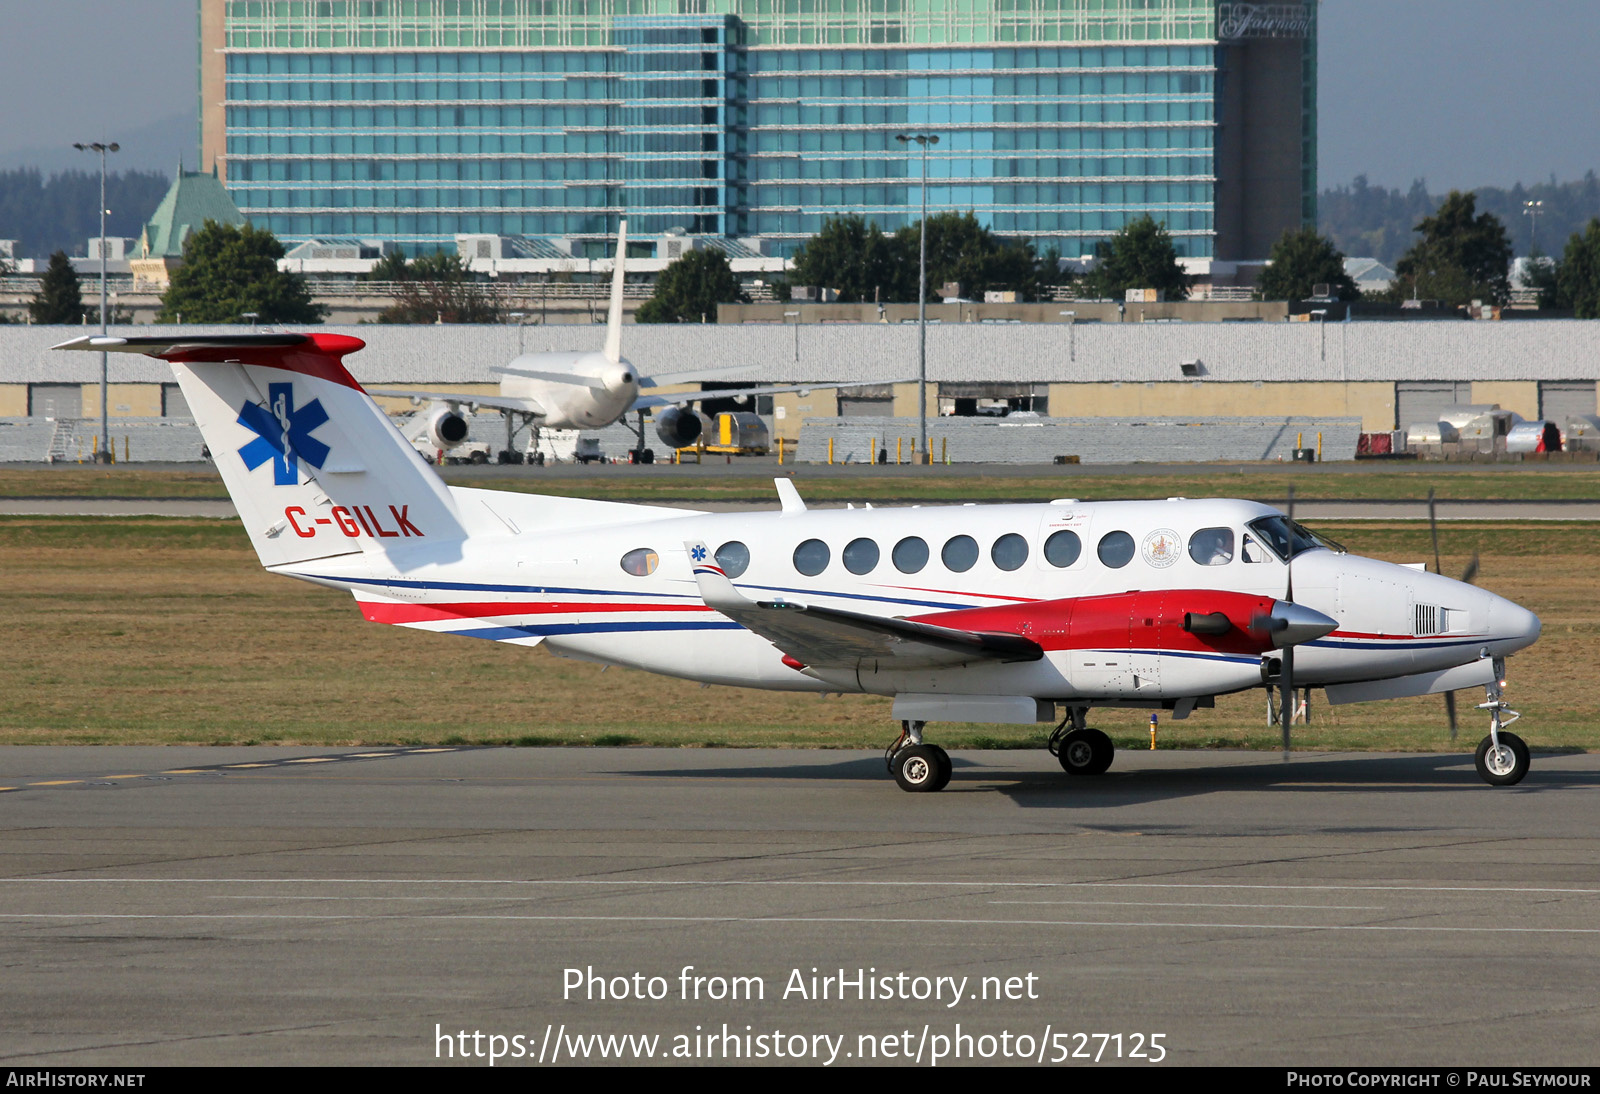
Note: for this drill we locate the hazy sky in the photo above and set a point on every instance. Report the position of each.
(1461, 92)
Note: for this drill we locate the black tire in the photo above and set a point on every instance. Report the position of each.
(946, 768)
(1509, 766)
(1086, 752)
(917, 769)
(480, 458)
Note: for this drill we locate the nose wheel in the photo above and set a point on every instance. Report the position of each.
(1502, 758)
(917, 767)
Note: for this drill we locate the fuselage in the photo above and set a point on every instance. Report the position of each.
(600, 392)
(1104, 587)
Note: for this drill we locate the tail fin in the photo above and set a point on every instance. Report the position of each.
(614, 316)
(314, 467)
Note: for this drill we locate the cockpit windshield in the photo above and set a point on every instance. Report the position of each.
(1286, 538)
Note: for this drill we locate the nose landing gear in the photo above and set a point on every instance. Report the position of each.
(1502, 758)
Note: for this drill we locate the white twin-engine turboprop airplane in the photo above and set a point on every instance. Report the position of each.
(566, 390)
(1002, 613)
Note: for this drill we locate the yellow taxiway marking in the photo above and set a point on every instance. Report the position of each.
(314, 760)
(184, 771)
(232, 766)
(416, 750)
(57, 782)
(371, 755)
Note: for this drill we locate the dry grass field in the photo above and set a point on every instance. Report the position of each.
(149, 630)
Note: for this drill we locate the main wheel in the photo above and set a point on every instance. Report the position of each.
(946, 768)
(1503, 766)
(1086, 752)
(917, 768)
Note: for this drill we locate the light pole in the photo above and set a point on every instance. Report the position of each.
(923, 139)
(796, 317)
(1531, 210)
(104, 455)
(1072, 331)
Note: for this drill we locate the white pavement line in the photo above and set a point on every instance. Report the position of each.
(1178, 904)
(762, 920)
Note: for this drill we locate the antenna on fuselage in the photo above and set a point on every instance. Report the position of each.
(613, 350)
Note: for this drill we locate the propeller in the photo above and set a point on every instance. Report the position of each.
(1468, 576)
(1286, 676)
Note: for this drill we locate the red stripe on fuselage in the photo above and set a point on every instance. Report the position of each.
(321, 357)
(375, 611)
(1140, 620)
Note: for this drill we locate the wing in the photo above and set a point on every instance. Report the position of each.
(495, 402)
(834, 639)
(684, 398)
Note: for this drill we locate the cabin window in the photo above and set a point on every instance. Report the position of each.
(1116, 549)
(910, 554)
(1212, 546)
(1009, 552)
(734, 558)
(1063, 548)
(640, 562)
(811, 557)
(860, 556)
(960, 554)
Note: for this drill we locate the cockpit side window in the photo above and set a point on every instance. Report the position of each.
(1212, 546)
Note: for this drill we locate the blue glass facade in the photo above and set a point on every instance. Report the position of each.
(719, 121)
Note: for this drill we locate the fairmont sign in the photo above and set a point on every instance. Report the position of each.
(1263, 20)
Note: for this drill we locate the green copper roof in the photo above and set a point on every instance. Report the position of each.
(196, 197)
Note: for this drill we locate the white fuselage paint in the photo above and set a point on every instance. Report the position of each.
(568, 587)
(612, 388)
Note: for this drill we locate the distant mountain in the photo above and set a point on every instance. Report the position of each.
(154, 147)
(1367, 221)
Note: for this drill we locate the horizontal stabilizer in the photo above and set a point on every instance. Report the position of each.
(461, 398)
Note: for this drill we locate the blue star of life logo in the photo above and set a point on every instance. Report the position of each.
(282, 434)
(698, 554)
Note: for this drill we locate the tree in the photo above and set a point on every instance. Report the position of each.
(1140, 256)
(1461, 256)
(854, 258)
(230, 271)
(1578, 272)
(961, 249)
(689, 290)
(60, 298)
(435, 288)
(1301, 260)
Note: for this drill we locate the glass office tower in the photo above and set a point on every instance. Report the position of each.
(754, 120)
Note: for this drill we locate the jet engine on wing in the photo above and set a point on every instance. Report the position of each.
(446, 427)
(677, 427)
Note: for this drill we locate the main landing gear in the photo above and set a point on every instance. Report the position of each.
(916, 766)
(1081, 750)
(1502, 757)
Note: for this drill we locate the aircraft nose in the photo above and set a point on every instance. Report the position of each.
(1513, 624)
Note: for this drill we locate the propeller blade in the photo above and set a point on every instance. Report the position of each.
(1288, 594)
(1450, 711)
(1433, 531)
(1286, 696)
(1470, 574)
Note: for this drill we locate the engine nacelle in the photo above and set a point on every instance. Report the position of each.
(677, 427)
(446, 427)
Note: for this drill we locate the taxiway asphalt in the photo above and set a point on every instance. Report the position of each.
(350, 906)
